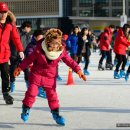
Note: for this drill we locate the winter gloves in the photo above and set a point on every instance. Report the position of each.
(21, 54)
(17, 71)
(81, 75)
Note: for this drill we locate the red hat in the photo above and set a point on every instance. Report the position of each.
(3, 7)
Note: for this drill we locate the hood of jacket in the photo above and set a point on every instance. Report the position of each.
(120, 32)
(108, 30)
(10, 17)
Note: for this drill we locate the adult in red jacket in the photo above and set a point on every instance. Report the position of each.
(121, 43)
(8, 31)
(45, 59)
(105, 40)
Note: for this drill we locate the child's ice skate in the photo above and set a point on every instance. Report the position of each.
(86, 72)
(58, 78)
(127, 76)
(12, 86)
(41, 92)
(116, 75)
(8, 99)
(25, 113)
(122, 73)
(59, 119)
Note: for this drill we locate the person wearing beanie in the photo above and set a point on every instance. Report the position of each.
(45, 59)
(8, 32)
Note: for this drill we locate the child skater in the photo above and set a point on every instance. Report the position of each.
(45, 60)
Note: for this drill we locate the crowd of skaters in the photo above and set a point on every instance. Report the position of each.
(25, 49)
(113, 39)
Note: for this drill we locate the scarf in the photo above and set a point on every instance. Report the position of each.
(51, 55)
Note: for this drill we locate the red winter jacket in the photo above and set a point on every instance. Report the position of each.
(121, 43)
(43, 72)
(105, 39)
(9, 32)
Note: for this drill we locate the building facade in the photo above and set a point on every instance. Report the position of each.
(64, 14)
(42, 13)
(98, 13)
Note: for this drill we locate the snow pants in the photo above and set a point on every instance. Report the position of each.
(32, 92)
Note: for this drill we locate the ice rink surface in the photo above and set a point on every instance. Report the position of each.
(100, 103)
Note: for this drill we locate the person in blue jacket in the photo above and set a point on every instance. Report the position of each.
(72, 41)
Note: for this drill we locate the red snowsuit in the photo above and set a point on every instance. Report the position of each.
(43, 73)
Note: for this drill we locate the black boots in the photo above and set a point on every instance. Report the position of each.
(109, 66)
(8, 99)
(100, 67)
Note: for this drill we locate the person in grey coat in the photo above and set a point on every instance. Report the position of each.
(25, 37)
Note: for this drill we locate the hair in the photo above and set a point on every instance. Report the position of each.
(124, 28)
(75, 28)
(111, 26)
(26, 24)
(82, 31)
(38, 32)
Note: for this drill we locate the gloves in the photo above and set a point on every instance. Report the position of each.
(17, 71)
(81, 75)
(21, 54)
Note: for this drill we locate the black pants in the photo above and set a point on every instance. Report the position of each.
(14, 64)
(109, 57)
(4, 68)
(87, 58)
(104, 54)
(121, 60)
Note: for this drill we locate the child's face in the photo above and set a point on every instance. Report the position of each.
(54, 45)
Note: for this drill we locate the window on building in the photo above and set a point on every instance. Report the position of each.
(85, 13)
(101, 13)
(74, 13)
(74, 3)
(34, 7)
(116, 12)
(102, 2)
(117, 2)
(85, 3)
